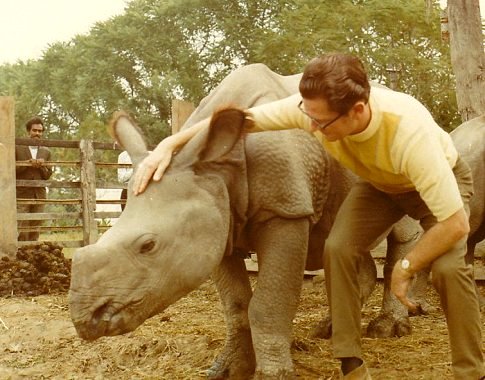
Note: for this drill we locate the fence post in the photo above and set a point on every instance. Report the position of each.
(88, 192)
(181, 111)
(8, 226)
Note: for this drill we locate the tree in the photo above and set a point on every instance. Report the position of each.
(467, 56)
(18, 80)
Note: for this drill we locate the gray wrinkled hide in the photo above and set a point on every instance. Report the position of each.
(469, 139)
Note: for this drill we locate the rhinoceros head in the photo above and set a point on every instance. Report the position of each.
(168, 239)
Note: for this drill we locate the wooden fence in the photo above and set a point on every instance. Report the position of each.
(82, 215)
(85, 217)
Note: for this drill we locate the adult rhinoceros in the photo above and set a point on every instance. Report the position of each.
(272, 192)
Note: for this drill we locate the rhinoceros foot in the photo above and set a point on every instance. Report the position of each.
(387, 326)
(279, 375)
(323, 329)
(236, 361)
(222, 368)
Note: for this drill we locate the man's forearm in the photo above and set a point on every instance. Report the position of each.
(438, 239)
(179, 139)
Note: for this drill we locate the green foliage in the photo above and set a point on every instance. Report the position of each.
(165, 49)
(385, 33)
(18, 81)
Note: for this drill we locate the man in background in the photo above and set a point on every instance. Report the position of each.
(36, 156)
(124, 175)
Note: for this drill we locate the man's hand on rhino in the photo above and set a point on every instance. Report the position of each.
(157, 161)
(152, 167)
(400, 283)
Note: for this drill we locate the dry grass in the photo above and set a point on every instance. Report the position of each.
(40, 343)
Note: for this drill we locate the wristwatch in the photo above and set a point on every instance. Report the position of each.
(406, 265)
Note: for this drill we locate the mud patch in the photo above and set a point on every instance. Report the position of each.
(37, 269)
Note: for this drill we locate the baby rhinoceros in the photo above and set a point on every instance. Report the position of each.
(224, 192)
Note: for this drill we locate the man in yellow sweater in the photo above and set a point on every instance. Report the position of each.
(407, 165)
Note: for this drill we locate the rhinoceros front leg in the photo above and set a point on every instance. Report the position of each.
(393, 319)
(237, 360)
(281, 246)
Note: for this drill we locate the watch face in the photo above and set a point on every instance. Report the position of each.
(405, 263)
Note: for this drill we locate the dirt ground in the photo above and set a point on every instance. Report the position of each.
(39, 342)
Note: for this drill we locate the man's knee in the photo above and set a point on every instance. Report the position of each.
(332, 245)
(447, 269)
(338, 249)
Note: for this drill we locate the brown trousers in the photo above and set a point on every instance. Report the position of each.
(364, 216)
(30, 235)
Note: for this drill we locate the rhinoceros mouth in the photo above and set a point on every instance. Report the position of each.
(109, 320)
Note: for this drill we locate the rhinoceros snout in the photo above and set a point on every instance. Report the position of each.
(91, 331)
(107, 320)
(95, 325)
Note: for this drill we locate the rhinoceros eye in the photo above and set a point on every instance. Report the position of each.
(147, 246)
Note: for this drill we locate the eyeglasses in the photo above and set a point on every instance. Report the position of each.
(318, 123)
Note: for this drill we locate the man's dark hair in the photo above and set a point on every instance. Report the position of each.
(338, 78)
(31, 122)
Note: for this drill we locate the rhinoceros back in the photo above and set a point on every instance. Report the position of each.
(246, 87)
(287, 172)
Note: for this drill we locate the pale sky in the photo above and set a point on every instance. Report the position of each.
(28, 27)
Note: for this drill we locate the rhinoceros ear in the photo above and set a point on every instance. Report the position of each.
(124, 130)
(225, 130)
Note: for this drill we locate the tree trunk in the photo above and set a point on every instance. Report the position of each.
(467, 56)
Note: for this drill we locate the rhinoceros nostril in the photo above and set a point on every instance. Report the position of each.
(102, 313)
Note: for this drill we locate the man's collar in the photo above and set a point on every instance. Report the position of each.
(375, 121)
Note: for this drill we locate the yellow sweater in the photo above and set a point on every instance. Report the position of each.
(402, 149)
